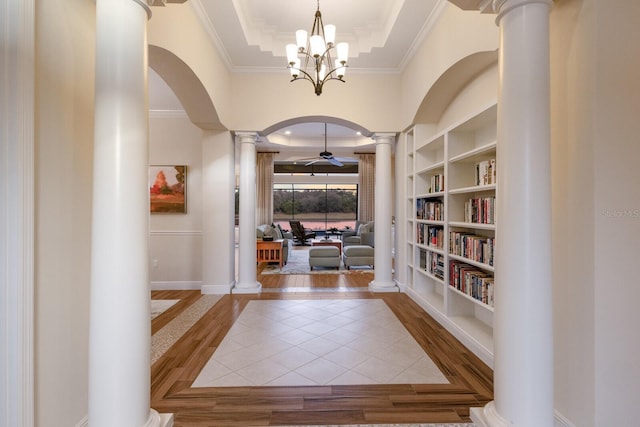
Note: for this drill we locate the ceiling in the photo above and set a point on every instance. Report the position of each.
(251, 36)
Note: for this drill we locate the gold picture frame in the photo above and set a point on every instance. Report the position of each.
(168, 189)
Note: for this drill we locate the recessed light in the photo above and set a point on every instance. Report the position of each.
(359, 133)
(287, 132)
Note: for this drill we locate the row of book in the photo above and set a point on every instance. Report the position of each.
(471, 281)
(486, 172)
(471, 246)
(432, 263)
(480, 210)
(430, 235)
(429, 209)
(436, 183)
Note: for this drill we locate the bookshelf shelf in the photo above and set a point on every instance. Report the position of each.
(431, 168)
(475, 155)
(430, 195)
(451, 204)
(430, 222)
(473, 300)
(432, 277)
(472, 262)
(431, 248)
(472, 225)
(473, 189)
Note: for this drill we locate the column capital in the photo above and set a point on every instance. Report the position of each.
(163, 2)
(384, 137)
(499, 7)
(145, 5)
(246, 137)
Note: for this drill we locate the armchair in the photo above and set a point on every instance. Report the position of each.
(301, 234)
(277, 233)
(363, 236)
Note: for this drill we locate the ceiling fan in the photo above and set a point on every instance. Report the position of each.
(324, 155)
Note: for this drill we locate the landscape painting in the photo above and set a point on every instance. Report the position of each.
(168, 189)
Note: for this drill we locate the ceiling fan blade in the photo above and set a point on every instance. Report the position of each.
(334, 161)
(345, 159)
(312, 162)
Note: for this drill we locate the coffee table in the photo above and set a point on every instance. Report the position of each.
(328, 242)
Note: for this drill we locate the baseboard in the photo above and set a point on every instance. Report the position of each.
(560, 421)
(166, 420)
(400, 286)
(176, 286)
(468, 341)
(479, 420)
(217, 289)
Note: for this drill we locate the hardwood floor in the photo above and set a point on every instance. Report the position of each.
(471, 382)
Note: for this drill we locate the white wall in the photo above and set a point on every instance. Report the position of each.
(65, 31)
(176, 239)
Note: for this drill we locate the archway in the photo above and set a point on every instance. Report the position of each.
(187, 86)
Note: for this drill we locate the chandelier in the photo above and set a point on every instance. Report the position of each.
(315, 50)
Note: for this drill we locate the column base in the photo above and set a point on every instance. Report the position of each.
(159, 420)
(248, 288)
(379, 286)
(487, 416)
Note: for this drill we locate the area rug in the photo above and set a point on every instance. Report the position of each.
(318, 342)
(162, 340)
(159, 306)
(298, 263)
(391, 425)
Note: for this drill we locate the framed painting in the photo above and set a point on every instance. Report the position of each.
(168, 189)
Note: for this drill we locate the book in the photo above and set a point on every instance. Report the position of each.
(472, 281)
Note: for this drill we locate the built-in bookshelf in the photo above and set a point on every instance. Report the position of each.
(452, 225)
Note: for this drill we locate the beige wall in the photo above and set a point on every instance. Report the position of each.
(596, 209)
(456, 35)
(382, 102)
(616, 211)
(176, 239)
(65, 31)
(474, 97)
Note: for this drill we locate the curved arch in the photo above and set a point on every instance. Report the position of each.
(316, 119)
(187, 86)
(450, 83)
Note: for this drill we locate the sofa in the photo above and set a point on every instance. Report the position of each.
(278, 234)
(363, 235)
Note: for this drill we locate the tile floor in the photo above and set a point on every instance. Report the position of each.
(318, 342)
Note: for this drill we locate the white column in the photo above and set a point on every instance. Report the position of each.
(218, 212)
(383, 279)
(523, 335)
(17, 194)
(247, 271)
(119, 341)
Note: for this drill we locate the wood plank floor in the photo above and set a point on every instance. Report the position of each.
(471, 381)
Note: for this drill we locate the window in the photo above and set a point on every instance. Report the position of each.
(317, 206)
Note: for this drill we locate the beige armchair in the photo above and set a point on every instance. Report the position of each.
(364, 235)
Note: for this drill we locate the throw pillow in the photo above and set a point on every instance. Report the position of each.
(363, 229)
(275, 232)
